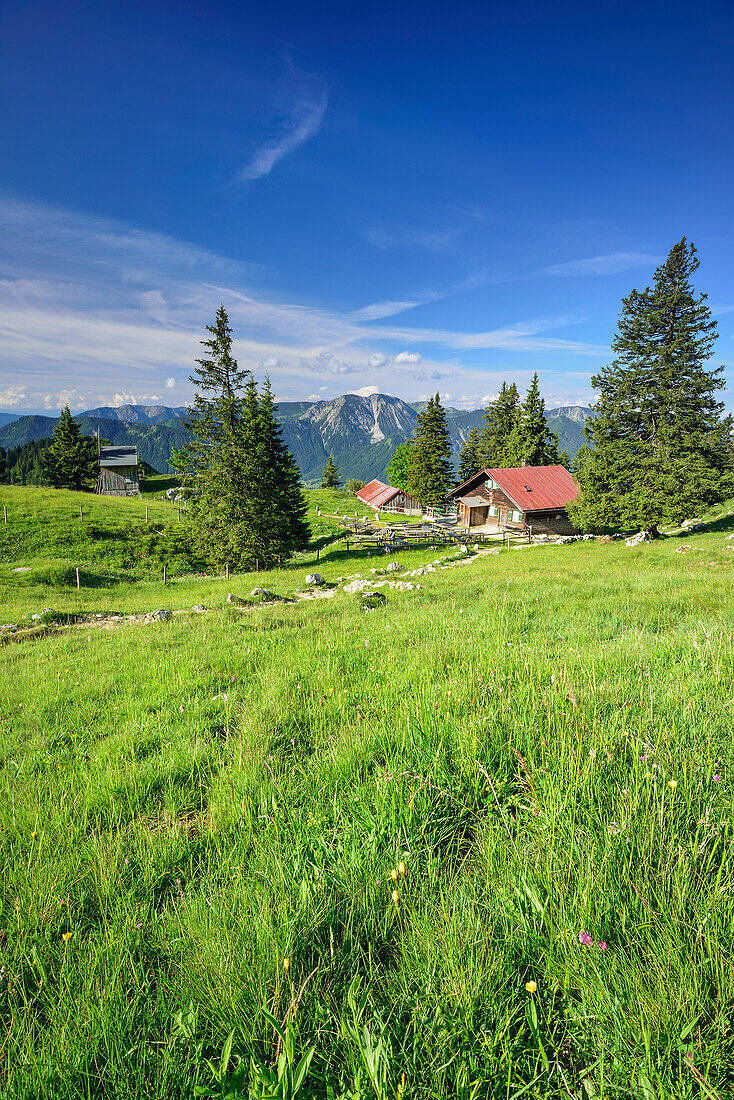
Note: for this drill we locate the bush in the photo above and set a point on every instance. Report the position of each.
(353, 485)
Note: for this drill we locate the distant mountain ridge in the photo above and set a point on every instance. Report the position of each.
(360, 433)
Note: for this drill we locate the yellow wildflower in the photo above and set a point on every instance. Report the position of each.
(286, 965)
(394, 875)
(401, 868)
(66, 936)
(531, 986)
(673, 783)
(395, 896)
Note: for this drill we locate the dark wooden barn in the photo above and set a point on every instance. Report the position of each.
(118, 472)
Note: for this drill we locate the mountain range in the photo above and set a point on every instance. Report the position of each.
(360, 433)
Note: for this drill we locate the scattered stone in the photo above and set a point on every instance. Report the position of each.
(198, 607)
(314, 578)
(8, 628)
(237, 600)
(638, 539)
(171, 493)
(686, 549)
(41, 616)
(21, 569)
(160, 616)
(393, 567)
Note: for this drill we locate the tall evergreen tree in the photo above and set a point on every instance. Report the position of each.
(531, 440)
(398, 468)
(71, 460)
(662, 450)
(330, 475)
(3, 466)
(499, 421)
(431, 469)
(469, 457)
(245, 507)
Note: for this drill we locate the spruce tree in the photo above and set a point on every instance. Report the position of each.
(71, 459)
(531, 441)
(469, 457)
(246, 505)
(431, 469)
(499, 421)
(330, 476)
(398, 468)
(3, 466)
(660, 449)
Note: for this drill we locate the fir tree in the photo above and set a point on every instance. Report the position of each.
(3, 466)
(531, 440)
(469, 457)
(398, 468)
(71, 459)
(246, 506)
(660, 449)
(499, 422)
(431, 469)
(330, 476)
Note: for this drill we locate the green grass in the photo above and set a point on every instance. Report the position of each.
(196, 800)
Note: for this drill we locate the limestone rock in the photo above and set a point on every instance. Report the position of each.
(314, 578)
(236, 600)
(638, 539)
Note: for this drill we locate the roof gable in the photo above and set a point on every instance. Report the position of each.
(535, 488)
(376, 493)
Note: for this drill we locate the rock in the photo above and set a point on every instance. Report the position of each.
(686, 549)
(264, 595)
(41, 616)
(8, 628)
(638, 539)
(198, 607)
(22, 569)
(160, 616)
(314, 578)
(171, 493)
(393, 567)
(237, 600)
(372, 599)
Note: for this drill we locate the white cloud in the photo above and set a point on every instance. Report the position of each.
(302, 120)
(13, 396)
(612, 264)
(408, 357)
(377, 359)
(378, 310)
(170, 383)
(365, 391)
(433, 238)
(270, 362)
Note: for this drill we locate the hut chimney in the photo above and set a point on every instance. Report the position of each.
(524, 462)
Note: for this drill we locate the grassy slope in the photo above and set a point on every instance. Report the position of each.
(197, 800)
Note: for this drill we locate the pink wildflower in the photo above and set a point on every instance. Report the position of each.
(603, 945)
(585, 939)
(717, 778)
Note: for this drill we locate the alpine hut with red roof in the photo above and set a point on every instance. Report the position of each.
(384, 498)
(519, 498)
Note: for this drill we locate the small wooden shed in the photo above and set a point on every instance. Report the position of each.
(118, 472)
(517, 499)
(385, 498)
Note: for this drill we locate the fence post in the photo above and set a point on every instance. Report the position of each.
(81, 514)
(227, 571)
(164, 574)
(146, 513)
(5, 512)
(317, 555)
(77, 578)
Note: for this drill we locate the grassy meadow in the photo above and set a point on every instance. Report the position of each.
(204, 820)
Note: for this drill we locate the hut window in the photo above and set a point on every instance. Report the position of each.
(493, 510)
(517, 517)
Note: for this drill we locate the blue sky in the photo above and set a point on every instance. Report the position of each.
(407, 198)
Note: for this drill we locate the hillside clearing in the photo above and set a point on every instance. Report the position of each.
(543, 740)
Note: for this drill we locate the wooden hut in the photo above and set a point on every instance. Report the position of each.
(384, 498)
(517, 499)
(118, 472)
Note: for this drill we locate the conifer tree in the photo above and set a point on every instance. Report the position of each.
(469, 457)
(660, 449)
(71, 459)
(246, 505)
(531, 440)
(330, 476)
(3, 466)
(431, 469)
(398, 468)
(499, 421)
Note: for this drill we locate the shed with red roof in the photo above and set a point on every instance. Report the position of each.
(517, 498)
(385, 498)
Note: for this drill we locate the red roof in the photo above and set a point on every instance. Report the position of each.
(376, 493)
(535, 488)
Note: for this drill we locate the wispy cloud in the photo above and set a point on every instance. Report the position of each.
(92, 310)
(612, 264)
(302, 117)
(436, 237)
